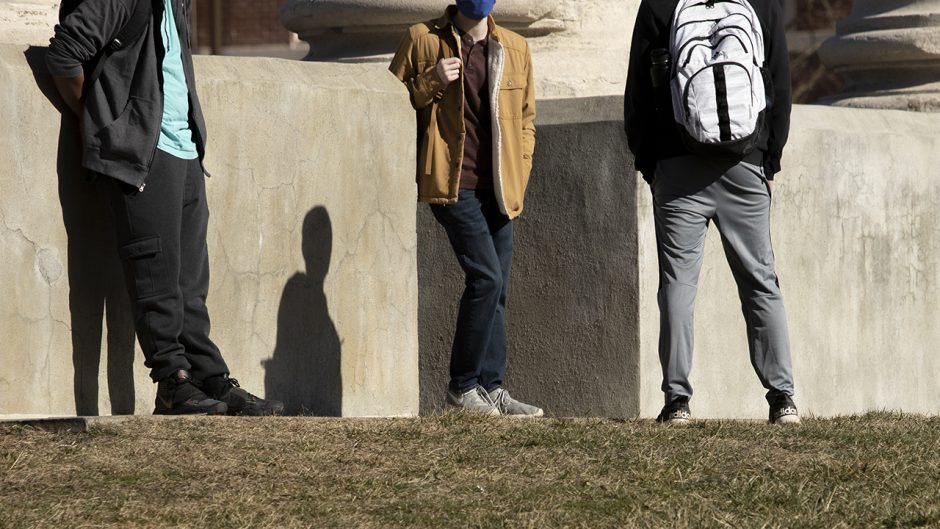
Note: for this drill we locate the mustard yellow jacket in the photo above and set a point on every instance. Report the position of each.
(440, 111)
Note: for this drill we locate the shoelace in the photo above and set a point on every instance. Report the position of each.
(502, 399)
(249, 396)
(486, 396)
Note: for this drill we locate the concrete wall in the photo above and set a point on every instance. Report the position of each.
(857, 239)
(312, 244)
(572, 310)
(314, 256)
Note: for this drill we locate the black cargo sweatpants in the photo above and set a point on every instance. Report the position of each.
(162, 242)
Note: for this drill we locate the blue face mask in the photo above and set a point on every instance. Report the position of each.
(476, 9)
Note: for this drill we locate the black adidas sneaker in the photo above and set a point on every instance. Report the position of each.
(676, 412)
(783, 410)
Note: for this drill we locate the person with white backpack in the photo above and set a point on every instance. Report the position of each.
(707, 115)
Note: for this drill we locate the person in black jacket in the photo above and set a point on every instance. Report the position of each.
(143, 129)
(690, 190)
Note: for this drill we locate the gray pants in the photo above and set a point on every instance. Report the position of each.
(688, 193)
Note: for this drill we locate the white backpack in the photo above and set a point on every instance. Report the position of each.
(718, 90)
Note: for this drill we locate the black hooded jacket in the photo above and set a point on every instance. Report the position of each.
(652, 131)
(123, 108)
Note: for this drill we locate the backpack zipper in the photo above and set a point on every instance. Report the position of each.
(685, 92)
(712, 2)
(712, 20)
(709, 37)
(688, 57)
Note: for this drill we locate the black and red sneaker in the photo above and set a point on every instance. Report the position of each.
(179, 394)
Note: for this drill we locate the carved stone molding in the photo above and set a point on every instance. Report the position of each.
(27, 21)
(888, 53)
(364, 30)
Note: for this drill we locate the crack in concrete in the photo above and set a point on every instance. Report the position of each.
(49, 315)
(18, 231)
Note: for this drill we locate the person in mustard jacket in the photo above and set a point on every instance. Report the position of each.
(470, 82)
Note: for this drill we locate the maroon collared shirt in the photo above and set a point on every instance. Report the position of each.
(477, 169)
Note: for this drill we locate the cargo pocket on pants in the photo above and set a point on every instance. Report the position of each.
(146, 263)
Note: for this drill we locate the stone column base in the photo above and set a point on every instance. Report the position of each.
(888, 52)
(369, 30)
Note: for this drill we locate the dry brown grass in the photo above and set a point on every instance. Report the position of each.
(455, 471)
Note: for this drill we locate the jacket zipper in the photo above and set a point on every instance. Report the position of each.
(153, 151)
(161, 51)
(458, 167)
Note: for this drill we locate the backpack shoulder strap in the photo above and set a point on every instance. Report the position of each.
(135, 26)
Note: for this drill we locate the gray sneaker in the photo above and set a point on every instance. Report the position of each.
(474, 400)
(511, 407)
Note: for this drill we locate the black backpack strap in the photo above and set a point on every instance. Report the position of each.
(132, 30)
(136, 25)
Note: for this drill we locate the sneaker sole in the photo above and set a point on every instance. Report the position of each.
(460, 409)
(520, 416)
(220, 409)
(787, 420)
(271, 412)
(676, 422)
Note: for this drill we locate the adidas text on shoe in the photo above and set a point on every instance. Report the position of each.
(510, 407)
(676, 413)
(783, 411)
(474, 400)
(179, 394)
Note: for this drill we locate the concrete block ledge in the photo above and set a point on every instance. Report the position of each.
(856, 234)
(79, 424)
(857, 240)
(317, 253)
(311, 242)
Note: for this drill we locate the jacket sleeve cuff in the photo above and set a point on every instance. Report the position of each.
(772, 167)
(63, 68)
(430, 83)
(645, 166)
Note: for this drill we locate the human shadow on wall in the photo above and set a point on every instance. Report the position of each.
(96, 279)
(305, 371)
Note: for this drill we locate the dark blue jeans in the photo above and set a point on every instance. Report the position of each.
(481, 236)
